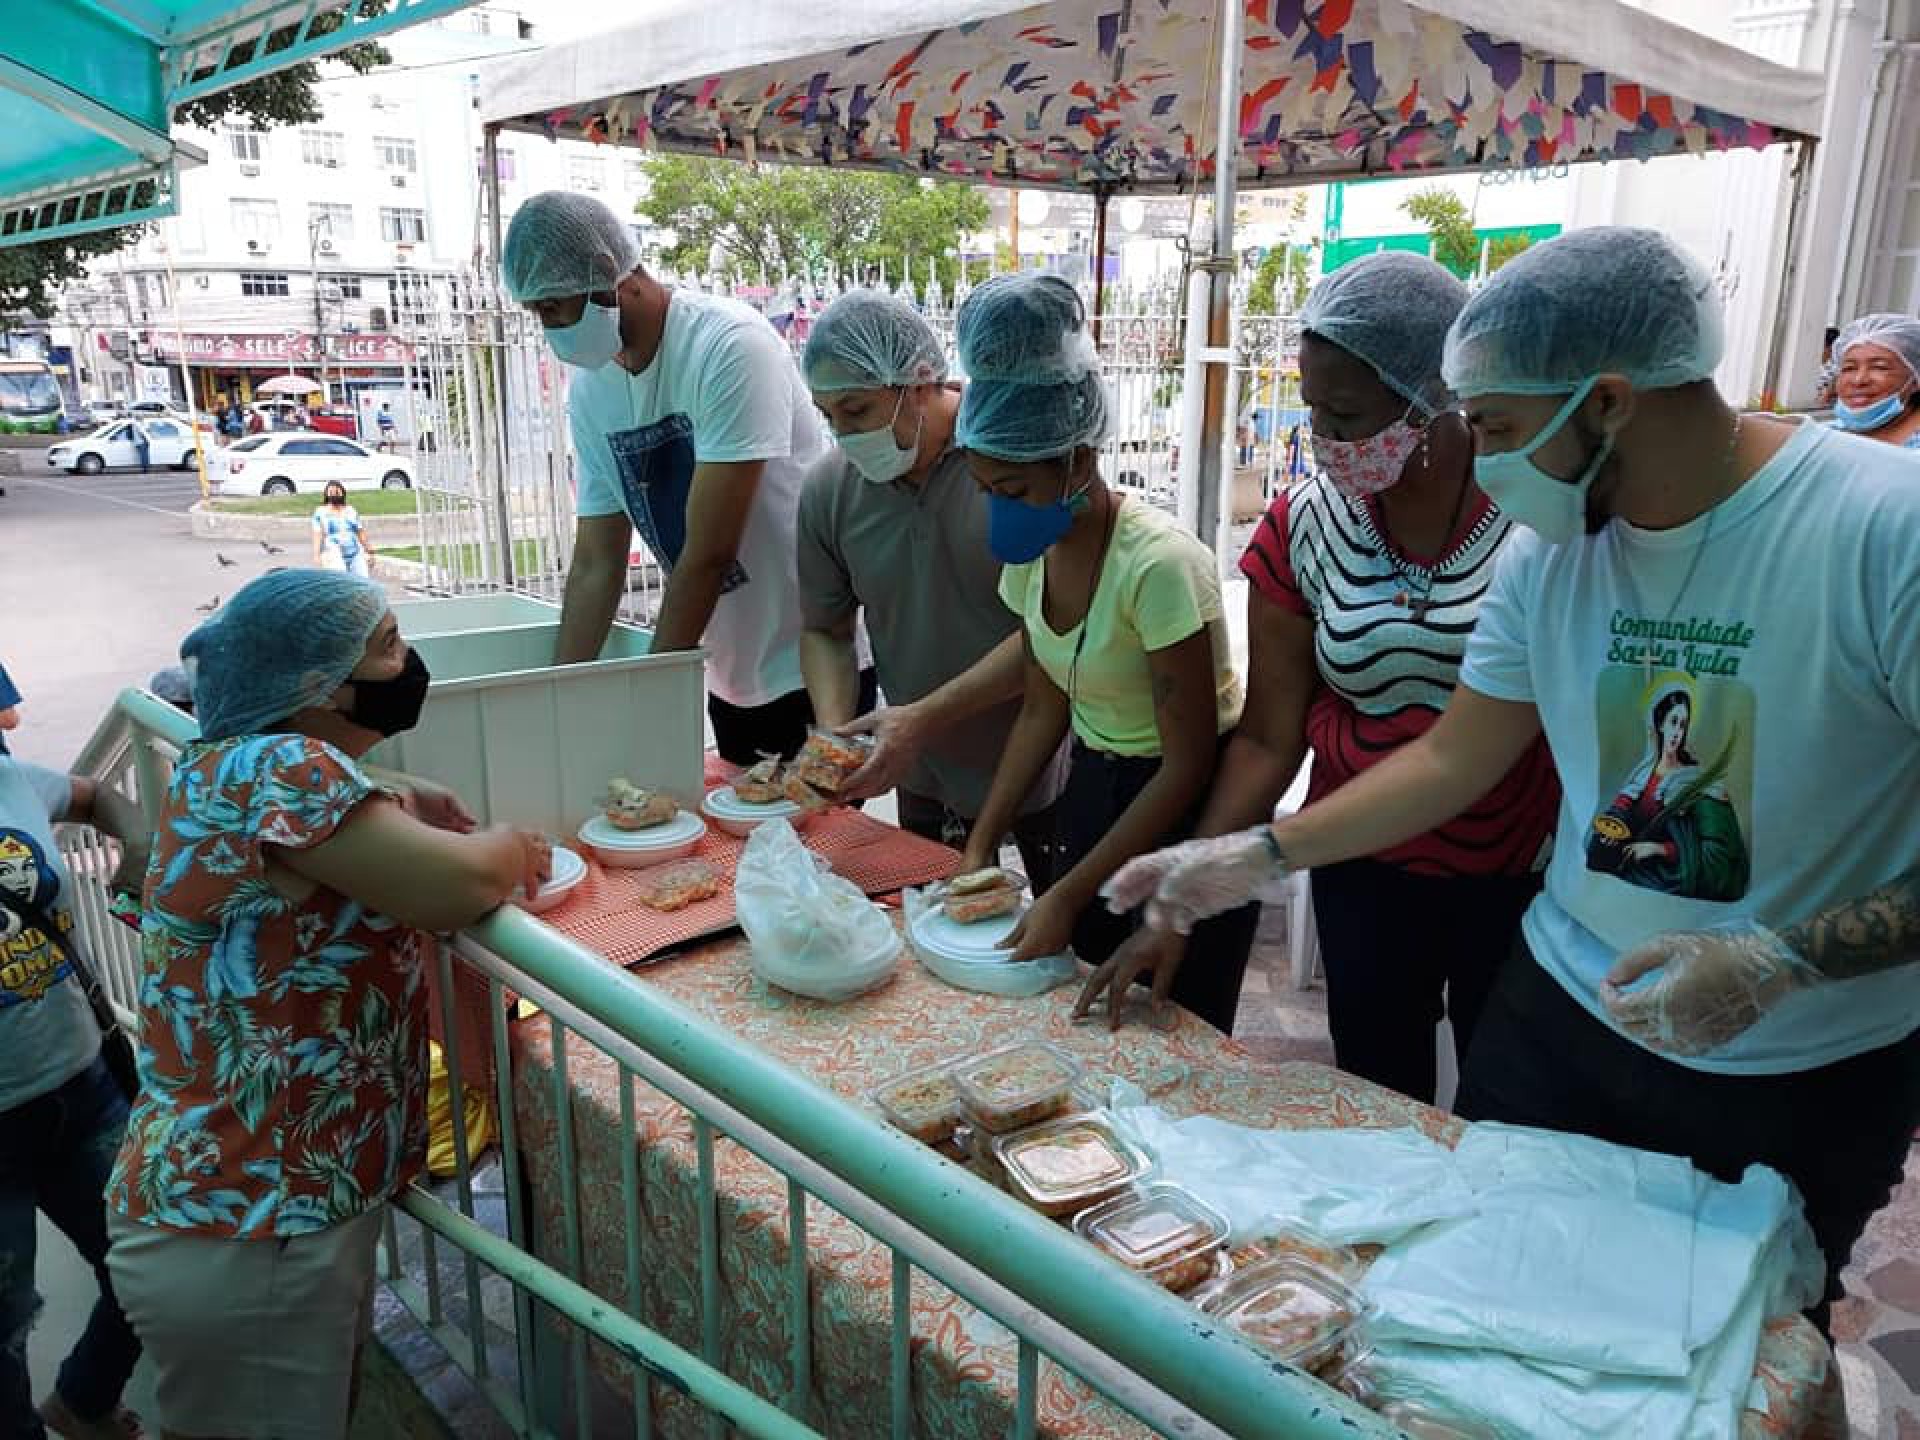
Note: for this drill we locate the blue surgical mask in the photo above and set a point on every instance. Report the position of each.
(1018, 533)
(1528, 495)
(876, 455)
(1865, 419)
(592, 340)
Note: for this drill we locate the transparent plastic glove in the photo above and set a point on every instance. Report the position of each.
(1708, 987)
(900, 734)
(1205, 877)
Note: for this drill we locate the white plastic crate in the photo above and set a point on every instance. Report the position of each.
(521, 740)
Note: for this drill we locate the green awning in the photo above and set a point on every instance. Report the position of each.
(88, 88)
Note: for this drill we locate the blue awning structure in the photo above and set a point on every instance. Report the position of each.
(88, 89)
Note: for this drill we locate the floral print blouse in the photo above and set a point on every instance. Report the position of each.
(283, 1053)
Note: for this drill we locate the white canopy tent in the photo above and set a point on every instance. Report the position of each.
(1121, 96)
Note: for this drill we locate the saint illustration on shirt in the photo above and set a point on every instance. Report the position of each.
(1672, 826)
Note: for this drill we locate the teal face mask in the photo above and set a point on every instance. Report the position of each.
(1555, 508)
(1865, 419)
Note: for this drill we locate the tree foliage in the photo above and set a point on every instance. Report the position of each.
(793, 218)
(31, 276)
(1265, 295)
(1456, 244)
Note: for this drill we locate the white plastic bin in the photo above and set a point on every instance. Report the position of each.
(523, 741)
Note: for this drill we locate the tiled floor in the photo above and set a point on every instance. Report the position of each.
(1877, 1326)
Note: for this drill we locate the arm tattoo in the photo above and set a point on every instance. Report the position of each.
(1863, 936)
(1163, 688)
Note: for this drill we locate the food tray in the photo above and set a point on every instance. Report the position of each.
(1016, 1086)
(1301, 1313)
(1070, 1163)
(923, 1103)
(1163, 1231)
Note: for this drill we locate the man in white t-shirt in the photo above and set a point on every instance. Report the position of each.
(1716, 621)
(689, 421)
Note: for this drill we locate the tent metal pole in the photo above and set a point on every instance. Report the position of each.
(1803, 156)
(490, 184)
(1100, 198)
(1209, 363)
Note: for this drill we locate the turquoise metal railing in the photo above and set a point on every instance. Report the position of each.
(1141, 1347)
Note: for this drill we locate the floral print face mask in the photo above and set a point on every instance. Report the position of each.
(1359, 468)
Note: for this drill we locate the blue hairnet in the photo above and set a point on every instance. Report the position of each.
(1033, 377)
(868, 340)
(1898, 333)
(1606, 301)
(562, 244)
(1392, 310)
(286, 642)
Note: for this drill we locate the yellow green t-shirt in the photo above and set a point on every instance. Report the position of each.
(1158, 587)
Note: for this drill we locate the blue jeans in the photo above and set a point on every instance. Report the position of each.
(56, 1152)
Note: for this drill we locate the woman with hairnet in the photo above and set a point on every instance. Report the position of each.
(1364, 585)
(284, 1044)
(690, 424)
(1876, 383)
(1667, 991)
(1126, 643)
(893, 528)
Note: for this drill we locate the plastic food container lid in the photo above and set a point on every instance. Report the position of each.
(603, 834)
(1300, 1312)
(920, 1099)
(977, 944)
(1156, 1226)
(1016, 1075)
(722, 801)
(1071, 1159)
(568, 871)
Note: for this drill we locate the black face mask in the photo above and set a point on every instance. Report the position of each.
(391, 706)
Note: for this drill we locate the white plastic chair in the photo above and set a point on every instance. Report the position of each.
(1303, 940)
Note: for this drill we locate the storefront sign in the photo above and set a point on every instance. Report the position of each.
(246, 351)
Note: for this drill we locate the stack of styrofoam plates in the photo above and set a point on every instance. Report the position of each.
(568, 871)
(636, 849)
(741, 817)
(977, 944)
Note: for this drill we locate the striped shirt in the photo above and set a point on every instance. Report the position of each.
(1388, 642)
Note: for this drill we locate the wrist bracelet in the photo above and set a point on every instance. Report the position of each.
(1280, 860)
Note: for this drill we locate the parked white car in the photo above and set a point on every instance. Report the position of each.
(116, 446)
(303, 460)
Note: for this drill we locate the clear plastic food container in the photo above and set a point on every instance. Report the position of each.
(1070, 1163)
(1020, 1085)
(1303, 1314)
(1166, 1233)
(922, 1102)
(1296, 1242)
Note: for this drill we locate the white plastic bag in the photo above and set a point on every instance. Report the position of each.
(811, 931)
(1349, 1186)
(990, 977)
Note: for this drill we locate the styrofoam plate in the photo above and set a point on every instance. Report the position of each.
(568, 871)
(634, 849)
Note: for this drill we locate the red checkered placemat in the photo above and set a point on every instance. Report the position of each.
(606, 915)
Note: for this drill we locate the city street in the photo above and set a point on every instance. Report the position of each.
(169, 492)
(103, 579)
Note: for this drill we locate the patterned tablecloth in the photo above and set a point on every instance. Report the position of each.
(964, 1363)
